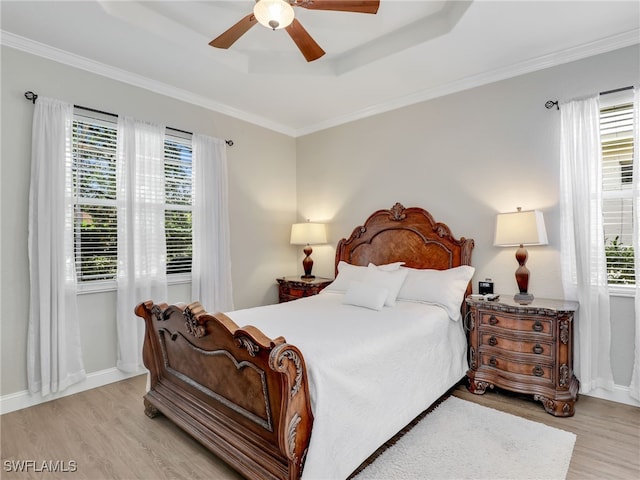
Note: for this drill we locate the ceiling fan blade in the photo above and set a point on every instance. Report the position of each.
(358, 6)
(307, 45)
(229, 37)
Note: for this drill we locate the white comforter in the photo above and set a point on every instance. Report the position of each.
(370, 372)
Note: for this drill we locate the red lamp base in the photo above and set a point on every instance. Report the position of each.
(522, 277)
(307, 263)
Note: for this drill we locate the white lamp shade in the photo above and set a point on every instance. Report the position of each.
(520, 228)
(308, 233)
(274, 14)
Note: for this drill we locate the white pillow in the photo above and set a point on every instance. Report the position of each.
(391, 280)
(365, 295)
(388, 267)
(348, 273)
(440, 287)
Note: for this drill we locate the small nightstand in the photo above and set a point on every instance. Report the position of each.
(524, 348)
(292, 288)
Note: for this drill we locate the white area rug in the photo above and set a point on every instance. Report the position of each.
(464, 440)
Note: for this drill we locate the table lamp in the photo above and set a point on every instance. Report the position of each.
(308, 234)
(519, 229)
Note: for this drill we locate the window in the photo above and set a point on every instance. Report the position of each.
(94, 181)
(616, 133)
(177, 215)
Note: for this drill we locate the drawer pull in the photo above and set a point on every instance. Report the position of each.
(537, 326)
(493, 320)
(493, 341)
(493, 362)
(537, 349)
(538, 371)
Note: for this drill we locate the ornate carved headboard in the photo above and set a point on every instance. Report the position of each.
(409, 235)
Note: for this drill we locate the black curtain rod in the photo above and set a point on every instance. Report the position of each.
(32, 97)
(616, 90)
(551, 103)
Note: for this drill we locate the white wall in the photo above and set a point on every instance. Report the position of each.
(262, 189)
(465, 157)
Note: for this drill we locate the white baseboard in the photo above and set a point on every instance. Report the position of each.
(619, 394)
(24, 399)
(19, 400)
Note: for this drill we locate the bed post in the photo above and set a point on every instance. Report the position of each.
(297, 418)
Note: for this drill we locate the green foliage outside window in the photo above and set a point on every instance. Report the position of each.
(620, 262)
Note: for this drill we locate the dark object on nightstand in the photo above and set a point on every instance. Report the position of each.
(524, 348)
(292, 288)
(485, 286)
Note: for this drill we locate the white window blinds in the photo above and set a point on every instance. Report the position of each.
(94, 181)
(94, 175)
(177, 168)
(616, 130)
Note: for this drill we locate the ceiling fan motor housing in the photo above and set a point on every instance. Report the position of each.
(274, 14)
(279, 14)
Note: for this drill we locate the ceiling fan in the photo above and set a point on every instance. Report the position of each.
(278, 14)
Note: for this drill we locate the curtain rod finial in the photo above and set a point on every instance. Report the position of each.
(550, 103)
(31, 96)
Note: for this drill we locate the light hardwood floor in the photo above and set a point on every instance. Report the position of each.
(607, 433)
(106, 435)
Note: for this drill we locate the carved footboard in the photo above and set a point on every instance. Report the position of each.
(241, 394)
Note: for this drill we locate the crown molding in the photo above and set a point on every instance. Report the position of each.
(61, 56)
(605, 45)
(615, 42)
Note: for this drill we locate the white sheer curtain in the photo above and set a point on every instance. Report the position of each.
(141, 235)
(211, 269)
(635, 377)
(54, 356)
(584, 271)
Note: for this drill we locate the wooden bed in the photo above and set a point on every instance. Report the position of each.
(245, 396)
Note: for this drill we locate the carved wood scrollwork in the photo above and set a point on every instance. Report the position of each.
(555, 407)
(303, 459)
(564, 375)
(441, 230)
(293, 356)
(472, 359)
(549, 404)
(361, 231)
(192, 325)
(564, 331)
(249, 345)
(292, 431)
(158, 313)
(289, 355)
(396, 213)
(481, 387)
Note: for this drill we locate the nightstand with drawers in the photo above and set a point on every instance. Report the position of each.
(292, 288)
(524, 348)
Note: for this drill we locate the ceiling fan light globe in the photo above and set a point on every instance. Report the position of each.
(274, 14)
